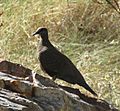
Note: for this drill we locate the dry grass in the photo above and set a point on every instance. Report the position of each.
(87, 32)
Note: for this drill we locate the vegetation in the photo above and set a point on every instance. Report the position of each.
(87, 32)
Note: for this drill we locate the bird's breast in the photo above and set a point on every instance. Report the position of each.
(42, 49)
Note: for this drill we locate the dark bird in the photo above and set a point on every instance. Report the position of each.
(56, 64)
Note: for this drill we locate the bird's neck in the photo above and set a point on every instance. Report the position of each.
(46, 42)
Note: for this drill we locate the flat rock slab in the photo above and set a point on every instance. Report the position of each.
(23, 90)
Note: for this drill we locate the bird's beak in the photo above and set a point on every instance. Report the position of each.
(34, 33)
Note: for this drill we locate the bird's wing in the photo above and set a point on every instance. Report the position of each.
(56, 63)
(52, 61)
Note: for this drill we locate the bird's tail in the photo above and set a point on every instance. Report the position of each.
(87, 87)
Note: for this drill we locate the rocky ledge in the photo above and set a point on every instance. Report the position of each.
(21, 89)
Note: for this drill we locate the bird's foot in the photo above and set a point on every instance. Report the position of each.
(54, 78)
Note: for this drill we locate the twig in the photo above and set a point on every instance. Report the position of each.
(114, 6)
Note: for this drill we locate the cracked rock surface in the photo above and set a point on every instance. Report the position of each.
(23, 90)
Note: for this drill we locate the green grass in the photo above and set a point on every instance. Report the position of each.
(87, 32)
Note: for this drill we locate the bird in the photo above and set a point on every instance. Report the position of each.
(56, 64)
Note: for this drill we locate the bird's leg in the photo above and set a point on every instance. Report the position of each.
(54, 77)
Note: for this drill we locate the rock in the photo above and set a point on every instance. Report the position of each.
(10, 101)
(23, 90)
(14, 69)
(2, 85)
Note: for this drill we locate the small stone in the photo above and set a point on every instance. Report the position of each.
(2, 84)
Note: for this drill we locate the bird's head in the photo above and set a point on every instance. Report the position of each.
(41, 32)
